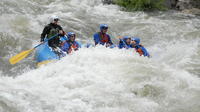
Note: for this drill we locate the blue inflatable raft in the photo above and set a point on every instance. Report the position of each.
(45, 54)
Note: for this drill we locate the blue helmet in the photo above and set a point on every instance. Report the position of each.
(126, 37)
(103, 26)
(136, 39)
(69, 34)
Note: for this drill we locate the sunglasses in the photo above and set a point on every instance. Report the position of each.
(72, 36)
(56, 19)
(105, 28)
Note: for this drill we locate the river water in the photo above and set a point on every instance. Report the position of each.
(100, 79)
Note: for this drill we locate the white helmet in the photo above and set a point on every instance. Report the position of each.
(53, 18)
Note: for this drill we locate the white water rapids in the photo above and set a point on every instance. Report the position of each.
(100, 79)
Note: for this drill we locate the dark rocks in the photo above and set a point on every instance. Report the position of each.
(171, 4)
(196, 3)
(187, 4)
(193, 11)
(108, 1)
(183, 4)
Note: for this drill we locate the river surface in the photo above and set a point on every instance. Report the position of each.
(100, 79)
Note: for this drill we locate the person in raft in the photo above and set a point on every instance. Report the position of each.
(125, 42)
(71, 44)
(52, 29)
(135, 43)
(102, 37)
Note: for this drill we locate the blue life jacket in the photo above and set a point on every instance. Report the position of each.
(99, 38)
(68, 46)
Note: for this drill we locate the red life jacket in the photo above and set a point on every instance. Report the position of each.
(139, 50)
(73, 47)
(103, 38)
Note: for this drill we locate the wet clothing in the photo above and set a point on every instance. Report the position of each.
(141, 50)
(69, 46)
(138, 47)
(123, 44)
(103, 39)
(49, 31)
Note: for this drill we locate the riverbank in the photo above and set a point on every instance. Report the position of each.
(185, 6)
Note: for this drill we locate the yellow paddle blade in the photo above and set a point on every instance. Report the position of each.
(20, 56)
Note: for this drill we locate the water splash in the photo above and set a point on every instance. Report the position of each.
(100, 79)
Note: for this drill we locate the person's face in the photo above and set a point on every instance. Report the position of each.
(128, 41)
(104, 30)
(72, 38)
(56, 21)
(133, 43)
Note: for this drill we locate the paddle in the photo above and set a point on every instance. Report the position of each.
(13, 60)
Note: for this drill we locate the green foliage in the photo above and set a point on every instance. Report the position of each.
(141, 5)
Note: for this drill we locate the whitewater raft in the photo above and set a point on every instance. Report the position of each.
(45, 54)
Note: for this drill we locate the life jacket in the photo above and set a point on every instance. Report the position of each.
(139, 50)
(103, 38)
(53, 31)
(62, 43)
(73, 46)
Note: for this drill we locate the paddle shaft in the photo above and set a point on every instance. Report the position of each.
(46, 41)
(23, 54)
